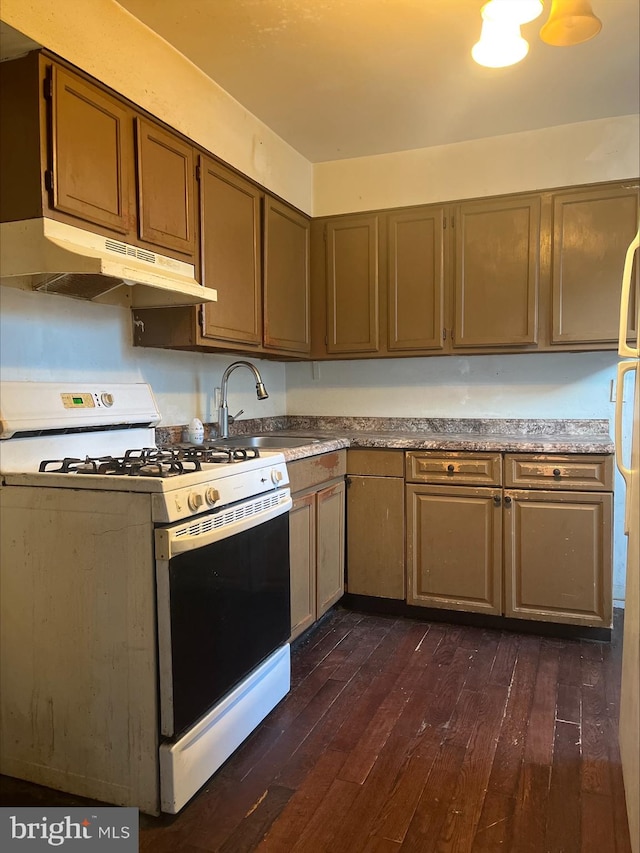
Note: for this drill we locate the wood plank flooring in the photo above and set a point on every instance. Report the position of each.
(401, 735)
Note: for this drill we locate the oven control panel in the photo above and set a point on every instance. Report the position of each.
(83, 400)
(228, 484)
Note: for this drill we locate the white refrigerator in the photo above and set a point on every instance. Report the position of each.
(628, 461)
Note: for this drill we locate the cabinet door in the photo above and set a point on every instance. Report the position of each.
(91, 153)
(558, 556)
(352, 284)
(454, 548)
(230, 251)
(497, 269)
(416, 279)
(375, 536)
(591, 233)
(286, 278)
(330, 546)
(302, 543)
(165, 189)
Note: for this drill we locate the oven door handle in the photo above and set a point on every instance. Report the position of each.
(206, 529)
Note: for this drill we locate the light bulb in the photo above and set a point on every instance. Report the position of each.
(513, 11)
(500, 44)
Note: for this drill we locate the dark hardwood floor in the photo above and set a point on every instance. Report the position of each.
(401, 735)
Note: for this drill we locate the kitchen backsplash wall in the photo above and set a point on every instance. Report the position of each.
(48, 337)
(536, 385)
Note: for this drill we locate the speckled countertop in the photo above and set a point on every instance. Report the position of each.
(470, 434)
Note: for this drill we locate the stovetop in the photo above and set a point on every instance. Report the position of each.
(182, 482)
(100, 437)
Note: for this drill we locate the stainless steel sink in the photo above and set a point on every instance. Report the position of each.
(268, 442)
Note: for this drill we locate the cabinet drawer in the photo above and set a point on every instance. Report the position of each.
(376, 463)
(465, 469)
(535, 471)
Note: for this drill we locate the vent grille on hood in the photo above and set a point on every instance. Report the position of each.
(85, 286)
(53, 257)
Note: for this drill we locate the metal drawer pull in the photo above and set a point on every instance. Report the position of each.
(451, 468)
(497, 500)
(556, 472)
(507, 500)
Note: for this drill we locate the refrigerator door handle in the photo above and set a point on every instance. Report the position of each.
(624, 367)
(624, 347)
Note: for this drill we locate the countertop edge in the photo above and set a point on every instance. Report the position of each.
(479, 444)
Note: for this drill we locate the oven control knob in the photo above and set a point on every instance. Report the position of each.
(276, 476)
(195, 501)
(211, 496)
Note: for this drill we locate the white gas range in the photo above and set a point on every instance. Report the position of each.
(145, 595)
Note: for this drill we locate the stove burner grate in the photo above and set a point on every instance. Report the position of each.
(164, 461)
(213, 453)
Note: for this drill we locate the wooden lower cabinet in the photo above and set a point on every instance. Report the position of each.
(454, 547)
(557, 556)
(330, 515)
(316, 537)
(375, 523)
(302, 554)
(541, 551)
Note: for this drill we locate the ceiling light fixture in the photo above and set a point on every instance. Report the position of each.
(570, 22)
(501, 43)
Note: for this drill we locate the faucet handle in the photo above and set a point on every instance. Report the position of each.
(233, 418)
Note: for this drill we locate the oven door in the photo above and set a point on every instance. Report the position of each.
(223, 603)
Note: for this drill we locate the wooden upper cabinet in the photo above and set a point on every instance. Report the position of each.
(91, 152)
(591, 232)
(496, 272)
(416, 279)
(352, 284)
(230, 254)
(166, 178)
(285, 289)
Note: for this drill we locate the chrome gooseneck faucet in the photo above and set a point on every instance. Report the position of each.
(224, 418)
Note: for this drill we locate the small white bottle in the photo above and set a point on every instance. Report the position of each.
(196, 431)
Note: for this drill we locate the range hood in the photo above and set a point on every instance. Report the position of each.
(53, 257)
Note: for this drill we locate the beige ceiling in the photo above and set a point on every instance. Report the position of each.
(347, 78)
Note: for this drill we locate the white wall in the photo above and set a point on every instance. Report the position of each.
(45, 338)
(536, 385)
(584, 153)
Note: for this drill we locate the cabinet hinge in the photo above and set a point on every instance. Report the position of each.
(453, 222)
(47, 85)
(48, 180)
(326, 340)
(201, 318)
(445, 223)
(444, 334)
(197, 172)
